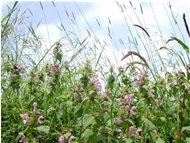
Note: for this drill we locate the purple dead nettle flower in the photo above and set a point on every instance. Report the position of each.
(39, 119)
(34, 105)
(52, 68)
(107, 91)
(131, 130)
(22, 137)
(71, 138)
(119, 120)
(138, 84)
(139, 76)
(129, 97)
(26, 118)
(36, 77)
(138, 132)
(127, 109)
(18, 68)
(132, 110)
(157, 102)
(105, 94)
(61, 139)
(94, 81)
(119, 102)
(151, 93)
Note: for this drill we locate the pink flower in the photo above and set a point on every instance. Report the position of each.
(157, 101)
(132, 110)
(61, 139)
(36, 77)
(51, 69)
(39, 119)
(18, 68)
(119, 120)
(22, 137)
(138, 132)
(56, 65)
(26, 118)
(127, 109)
(107, 91)
(131, 130)
(34, 105)
(95, 82)
(151, 93)
(119, 102)
(159, 104)
(139, 76)
(129, 97)
(71, 138)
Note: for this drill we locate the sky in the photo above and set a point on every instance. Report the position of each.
(106, 20)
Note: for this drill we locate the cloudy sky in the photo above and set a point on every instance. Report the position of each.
(111, 22)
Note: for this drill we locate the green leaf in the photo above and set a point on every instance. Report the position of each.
(186, 128)
(159, 140)
(88, 120)
(185, 47)
(43, 129)
(163, 119)
(187, 140)
(148, 123)
(87, 134)
(66, 135)
(128, 140)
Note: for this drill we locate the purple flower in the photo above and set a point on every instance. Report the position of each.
(53, 67)
(159, 104)
(138, 132)
(129, 97)
(22, 137)
(119, 102)
(26, 118)
(132, 110)
(36, 77)
(157, 101)
(71, 138)
(39, 119)
(61, 139)
(127, 109)
(95, 82)
(131, 130)
(107, 91)
(139, 76)
(18, 68)
(34, 105)
(119, 120)
(151, 93)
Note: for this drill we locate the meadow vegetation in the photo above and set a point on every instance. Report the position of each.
(48, 98)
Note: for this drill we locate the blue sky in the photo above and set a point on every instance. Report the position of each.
(103, 11)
